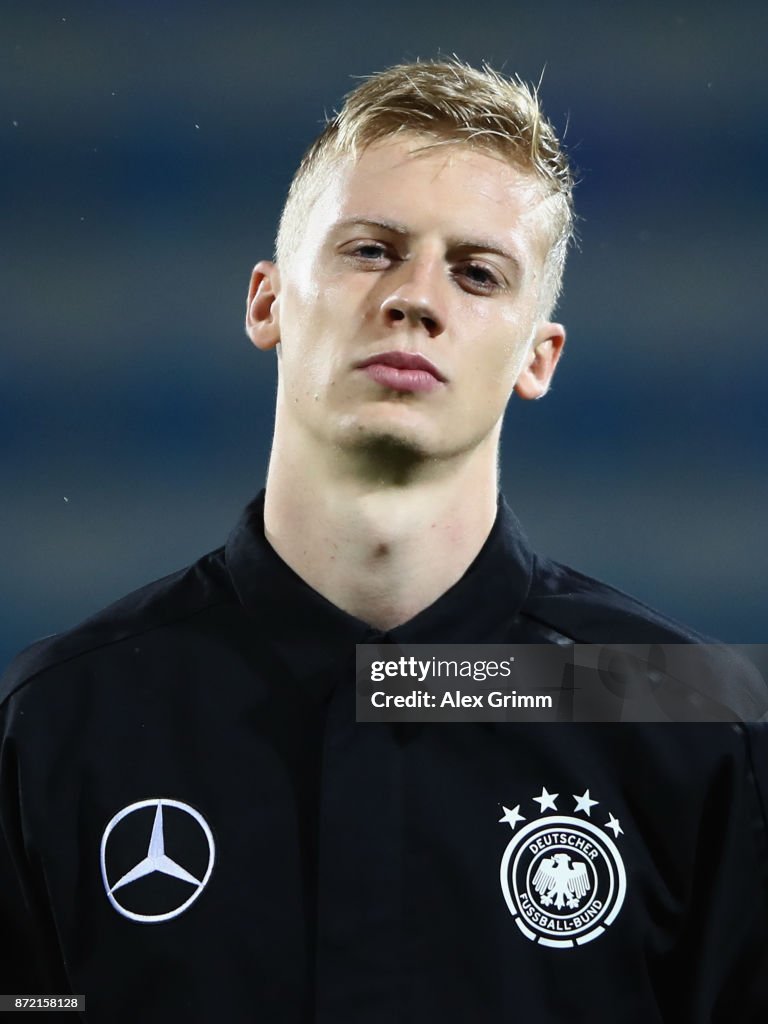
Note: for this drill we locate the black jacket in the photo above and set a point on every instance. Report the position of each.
(196, 828)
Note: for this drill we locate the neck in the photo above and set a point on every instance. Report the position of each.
(380, 536)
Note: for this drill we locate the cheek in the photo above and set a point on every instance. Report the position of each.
(309, 356)
(518, 338)
(502, 362)
(491, 380)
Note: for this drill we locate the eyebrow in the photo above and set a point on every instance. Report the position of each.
(474, 244)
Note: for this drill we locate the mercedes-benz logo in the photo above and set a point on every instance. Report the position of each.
(124, 840)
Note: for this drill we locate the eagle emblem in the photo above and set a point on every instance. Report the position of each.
(558, 882)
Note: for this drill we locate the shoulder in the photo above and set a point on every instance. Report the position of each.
(173, 599)
(586, 610)
(713, 681)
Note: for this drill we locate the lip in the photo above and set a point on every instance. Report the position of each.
(402, 371)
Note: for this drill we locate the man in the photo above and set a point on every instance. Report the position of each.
(195, 825)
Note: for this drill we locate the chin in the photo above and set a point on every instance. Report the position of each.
(382, 441)
(387, 426)
(389, 459)
(384, 448)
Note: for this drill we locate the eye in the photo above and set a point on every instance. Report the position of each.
(369, 252)
(479, 277)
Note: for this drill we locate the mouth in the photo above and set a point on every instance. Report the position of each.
(402, 371)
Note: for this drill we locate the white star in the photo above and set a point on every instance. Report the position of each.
(614, 824)
(546, 800)
(512, 817)
(583, 803)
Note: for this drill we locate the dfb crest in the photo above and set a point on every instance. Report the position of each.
(562, 876)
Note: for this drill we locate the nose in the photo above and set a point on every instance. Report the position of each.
(414, 298)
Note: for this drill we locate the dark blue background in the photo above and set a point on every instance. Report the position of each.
(145, 150)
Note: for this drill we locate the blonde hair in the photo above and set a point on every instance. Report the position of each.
(449, 102)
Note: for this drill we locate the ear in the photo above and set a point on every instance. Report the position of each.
(546, 348)
(262, 315)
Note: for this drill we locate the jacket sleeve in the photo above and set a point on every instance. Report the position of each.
(743, 940)
(30, 962)
(757, 739)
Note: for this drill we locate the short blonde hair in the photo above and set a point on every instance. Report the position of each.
(448, 102)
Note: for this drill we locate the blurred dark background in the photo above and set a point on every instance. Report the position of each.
(145, 150)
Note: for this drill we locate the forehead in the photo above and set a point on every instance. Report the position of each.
(451, 188)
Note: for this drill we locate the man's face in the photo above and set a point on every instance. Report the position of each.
(409, 311)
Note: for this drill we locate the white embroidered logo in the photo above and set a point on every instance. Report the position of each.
(563, 877)
(117, 845)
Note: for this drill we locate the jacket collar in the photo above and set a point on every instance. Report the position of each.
(477, 609)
